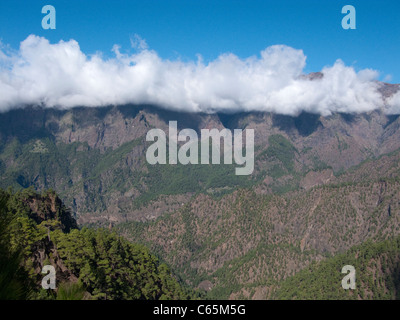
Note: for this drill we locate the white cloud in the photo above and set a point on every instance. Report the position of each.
(61, 75)
(138, 43)
(393, 104)
(388, 78)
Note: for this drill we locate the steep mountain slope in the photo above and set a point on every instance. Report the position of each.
(321, 186)
(89, 264)
(95, 157)
(377, 267)
(256, 240)
(246, 242)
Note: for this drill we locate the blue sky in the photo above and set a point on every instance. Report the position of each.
(252, 53)
(183, 28)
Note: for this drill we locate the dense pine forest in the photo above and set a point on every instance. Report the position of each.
(37, 230)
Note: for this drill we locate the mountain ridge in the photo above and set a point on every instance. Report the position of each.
(321, 186)
(113, 140)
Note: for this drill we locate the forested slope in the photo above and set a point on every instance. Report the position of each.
(377, 268)
(38, 230)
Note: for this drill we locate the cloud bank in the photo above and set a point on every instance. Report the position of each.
(61, 75)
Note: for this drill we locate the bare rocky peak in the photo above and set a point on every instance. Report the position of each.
(313, 76)
(388, 89)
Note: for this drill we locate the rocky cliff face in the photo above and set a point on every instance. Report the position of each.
(95, 157)
(51, 207)
(49, 210)
(321, 185)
